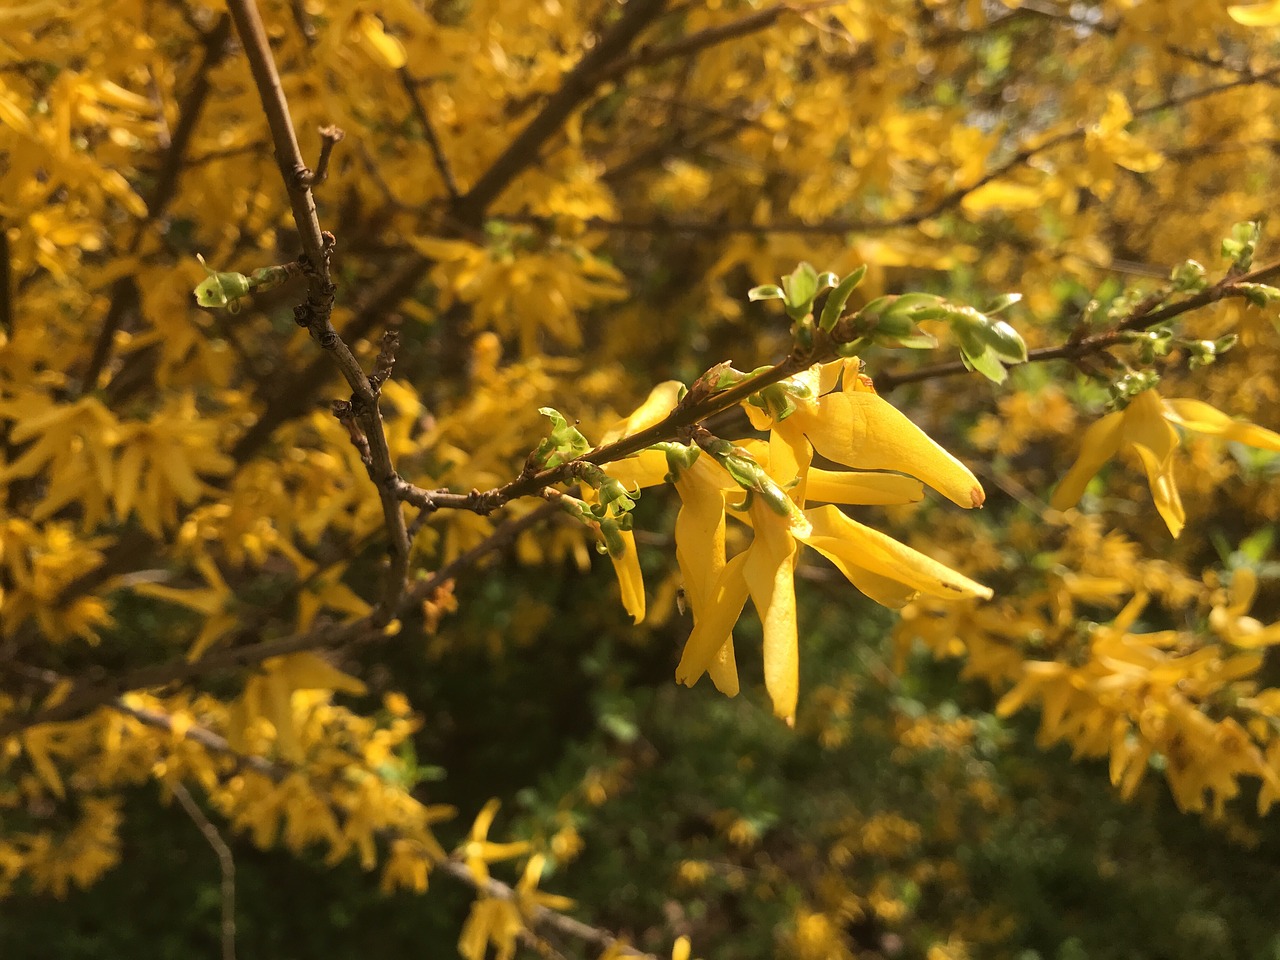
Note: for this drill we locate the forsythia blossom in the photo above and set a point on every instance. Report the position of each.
(768, 486)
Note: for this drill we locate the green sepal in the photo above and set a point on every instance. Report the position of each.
(563, 444)
(680, 457)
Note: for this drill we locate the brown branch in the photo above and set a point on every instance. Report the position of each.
(316, 313)
(576, 86)
(647, 55)
(95, 693)
(1144, 317)
(429, 132)
(226, 865)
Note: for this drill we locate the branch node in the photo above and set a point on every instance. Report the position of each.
(331, 136)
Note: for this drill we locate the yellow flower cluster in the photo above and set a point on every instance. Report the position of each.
(769, 486)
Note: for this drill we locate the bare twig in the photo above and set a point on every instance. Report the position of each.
(316, 313)
(429, 132)
(226, 863)
(97, 692)
(647, 56)
(330, 137)
(1141, 318)
(578, 84)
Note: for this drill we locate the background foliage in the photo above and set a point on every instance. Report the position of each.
(561, 204)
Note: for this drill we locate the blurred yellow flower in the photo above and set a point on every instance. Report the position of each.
(1146, 426)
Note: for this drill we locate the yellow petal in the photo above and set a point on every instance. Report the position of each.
(626, 567)
(306, 671)
(770, 576)
(864, 431)
(1145, 426)
(1164, 490)
(699, 534)
(648, 468)
(1100, 443)
(714, 629)
(723, 670)
(853, 547)
(1202, 418)
(855, 487)
(1256, 14)
(662, 400)
(384, 48)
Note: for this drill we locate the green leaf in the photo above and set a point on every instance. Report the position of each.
(801, 286)
(1002, 302)
(768, 291)
(220, 290)
(839, 296)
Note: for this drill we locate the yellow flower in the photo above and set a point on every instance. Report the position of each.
(478, 851)
(1146, 426)
(853, 426)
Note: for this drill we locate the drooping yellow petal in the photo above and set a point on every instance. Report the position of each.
(714, 629)
(307, 671)
(626, 567)
(853, 547)
(662, 400)
(770, 576)
(857, 487)
(789, 457)
(1100, 443)
(864, 431)
(723, 670)
(699, 533)
(1164, 489)
(1202, 418)
(1145, 426)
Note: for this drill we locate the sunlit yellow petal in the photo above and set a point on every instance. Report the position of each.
(385, 49)
(856, 487)
(1202, 418)
(662, 400)
(1164, 490)
(770, 576)
(1145, 426)
(851, 546)
(864, 431)
(1100, 443)
(715, 629)
(626, 566)
(648, 468)
(723, 670)
(1256, 14)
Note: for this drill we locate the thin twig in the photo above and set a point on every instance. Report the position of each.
(330, 137)
(578, 84)
(226, 863)
(1076, 349)
(96, 693)
(429, 132)
(316, 313)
